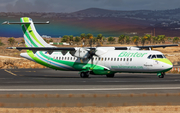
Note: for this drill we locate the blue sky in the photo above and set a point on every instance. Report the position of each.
(67, 6)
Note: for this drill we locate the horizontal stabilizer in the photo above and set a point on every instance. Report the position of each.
(7, 22)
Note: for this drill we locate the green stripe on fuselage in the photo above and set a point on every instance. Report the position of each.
(76, 65)
(31, 54)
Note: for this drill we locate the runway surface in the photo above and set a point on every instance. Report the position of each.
(40, 81)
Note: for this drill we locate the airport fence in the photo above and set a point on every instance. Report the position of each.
(175, 70)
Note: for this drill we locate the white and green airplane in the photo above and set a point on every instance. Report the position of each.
(91, 60)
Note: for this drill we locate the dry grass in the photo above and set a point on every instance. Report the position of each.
(133, 109)
(14, 63)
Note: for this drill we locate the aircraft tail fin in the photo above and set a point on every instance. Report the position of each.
(31, 37)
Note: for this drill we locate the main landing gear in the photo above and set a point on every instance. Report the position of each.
(161, 75)
(84, 74)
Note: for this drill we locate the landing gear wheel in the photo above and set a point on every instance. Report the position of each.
(162, 75)
(84, 74)
(110, 75)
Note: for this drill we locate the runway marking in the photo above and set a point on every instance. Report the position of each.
(16, 71)
(27, 71)
(10, 72)
(98, 89)
(30, 71)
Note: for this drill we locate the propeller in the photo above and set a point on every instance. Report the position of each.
(88, 52)
(92, 52)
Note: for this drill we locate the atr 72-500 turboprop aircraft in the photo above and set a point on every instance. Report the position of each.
(91, 60)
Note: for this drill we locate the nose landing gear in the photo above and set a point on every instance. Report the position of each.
(84, 74)
(161, 75)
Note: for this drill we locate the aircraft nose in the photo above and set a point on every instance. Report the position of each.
(168, 67)
(171, 66)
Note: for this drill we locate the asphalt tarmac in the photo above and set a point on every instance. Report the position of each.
(47, 81)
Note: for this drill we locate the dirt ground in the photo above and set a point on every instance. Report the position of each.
(129, 109)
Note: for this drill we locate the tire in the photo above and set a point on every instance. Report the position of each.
(110, 76)
(162, 75)
(84, 74)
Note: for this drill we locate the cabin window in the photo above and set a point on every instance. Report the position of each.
(164, 56)
(67, 58)
(105, 59)
(108, 59)
(101, 59)
(121, 59)
(117, 59)
(124, 59)
(127, 59)
(114, 59)
(130, 59)
(64, 58)
(111, 59)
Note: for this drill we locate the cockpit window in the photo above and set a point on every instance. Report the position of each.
(164, 56)
(159, 56)
(149, 57)
(154, 56)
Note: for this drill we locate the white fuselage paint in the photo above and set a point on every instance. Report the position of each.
(110, 59)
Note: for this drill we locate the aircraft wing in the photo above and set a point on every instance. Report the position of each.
(42, 48)
(73, 49)
(144, 47)
(157, 46)
(49, 49)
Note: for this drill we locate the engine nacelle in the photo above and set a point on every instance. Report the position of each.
(81, 53)
(133, 48)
